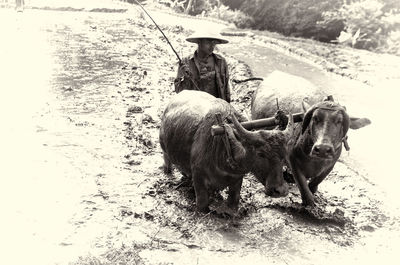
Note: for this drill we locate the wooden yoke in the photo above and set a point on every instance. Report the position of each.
(256, 124)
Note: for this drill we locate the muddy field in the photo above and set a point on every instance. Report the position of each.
(92, 188)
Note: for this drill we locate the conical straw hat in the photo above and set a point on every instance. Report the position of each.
(206, 34)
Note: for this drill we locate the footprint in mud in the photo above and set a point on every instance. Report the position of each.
(325, 212)
(315, 215)
(179, 192)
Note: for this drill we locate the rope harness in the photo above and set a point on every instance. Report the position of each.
(230, 160)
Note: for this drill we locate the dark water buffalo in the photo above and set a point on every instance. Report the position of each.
(316, 144)
(185, 137)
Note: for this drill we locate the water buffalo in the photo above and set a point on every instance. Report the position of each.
(316, 143)
(186, 140)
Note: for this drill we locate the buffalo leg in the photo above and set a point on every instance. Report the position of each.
(234, 194)
(167, 167)
(200, 189)
(306, 195)
(313, 185)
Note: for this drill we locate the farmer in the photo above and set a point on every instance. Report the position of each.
(204, 70)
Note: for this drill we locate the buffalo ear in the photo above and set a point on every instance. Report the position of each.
(329, 98)
(346, 122)
(307, 119)
(357, 123)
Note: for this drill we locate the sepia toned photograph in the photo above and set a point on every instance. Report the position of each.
(200, 132)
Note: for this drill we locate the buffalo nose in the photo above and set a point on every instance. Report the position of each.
(322, 150)
(280, 191)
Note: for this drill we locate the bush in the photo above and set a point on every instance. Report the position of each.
(373, 19)
(200, 6)
(293, 17)
(233, 4)
(214, 8)
(393, 43)
(365, 24)
(237, 17)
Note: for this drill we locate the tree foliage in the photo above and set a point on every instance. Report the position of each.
(366, 24)
(375, 20)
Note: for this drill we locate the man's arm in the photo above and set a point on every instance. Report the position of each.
(182, 80)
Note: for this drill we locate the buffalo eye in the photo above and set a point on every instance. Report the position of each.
(315, 118)
(338, 121)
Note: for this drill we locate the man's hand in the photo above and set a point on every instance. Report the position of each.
(184, 69)
(282, 119)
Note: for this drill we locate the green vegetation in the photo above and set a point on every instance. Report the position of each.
(369, 24)
(364, 24)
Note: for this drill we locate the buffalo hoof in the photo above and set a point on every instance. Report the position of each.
(226, 212)
(308, 202)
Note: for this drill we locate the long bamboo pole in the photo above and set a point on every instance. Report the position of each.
(165, 37)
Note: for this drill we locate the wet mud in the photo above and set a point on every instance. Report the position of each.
(111, 81)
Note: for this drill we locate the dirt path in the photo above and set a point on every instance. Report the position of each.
(82, 109)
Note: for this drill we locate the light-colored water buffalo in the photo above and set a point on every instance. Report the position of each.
(316, 143)
(185, 138)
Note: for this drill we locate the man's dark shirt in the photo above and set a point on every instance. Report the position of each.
(211, 76)
(208, 77)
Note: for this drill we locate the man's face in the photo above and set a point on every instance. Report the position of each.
(207, 46)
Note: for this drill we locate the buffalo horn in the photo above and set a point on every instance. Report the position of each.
(248, 135)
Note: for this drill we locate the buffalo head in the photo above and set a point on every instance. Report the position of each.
(262, 152)
(327, 124)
